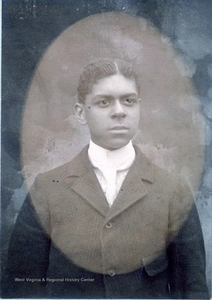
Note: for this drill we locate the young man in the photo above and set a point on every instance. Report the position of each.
(109, 224)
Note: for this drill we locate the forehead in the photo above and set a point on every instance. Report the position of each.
(114, 85)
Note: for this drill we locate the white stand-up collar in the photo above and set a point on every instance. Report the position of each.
(111, 167)
(119, 159)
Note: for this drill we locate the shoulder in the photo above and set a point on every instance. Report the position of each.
(59, 174)
(51, 187)
(153, 172)
(170, 191)
(169, 184)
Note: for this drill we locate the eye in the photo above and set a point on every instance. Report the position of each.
(104, 103)
(129, 101)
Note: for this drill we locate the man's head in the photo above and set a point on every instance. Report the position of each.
(109, 102)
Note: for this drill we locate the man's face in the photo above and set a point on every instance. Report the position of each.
(111, 111)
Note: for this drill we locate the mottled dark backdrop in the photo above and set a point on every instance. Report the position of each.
(29, 26)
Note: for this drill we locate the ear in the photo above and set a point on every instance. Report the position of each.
(79, 110)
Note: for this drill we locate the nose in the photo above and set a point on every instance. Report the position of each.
(118, 110)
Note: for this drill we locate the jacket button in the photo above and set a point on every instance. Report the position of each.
(109, 225)
(111, 273)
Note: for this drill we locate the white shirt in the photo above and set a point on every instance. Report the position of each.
(111, 167)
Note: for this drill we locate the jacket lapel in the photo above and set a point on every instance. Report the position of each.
(86, 183)
(133, 188)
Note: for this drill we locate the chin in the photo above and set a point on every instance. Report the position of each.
(115, 146)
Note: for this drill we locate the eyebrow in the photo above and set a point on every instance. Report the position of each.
(110, 96)
(130, 95)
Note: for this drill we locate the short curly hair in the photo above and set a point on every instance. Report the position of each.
(100, 69)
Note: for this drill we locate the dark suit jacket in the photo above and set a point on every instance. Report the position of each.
(147, 245)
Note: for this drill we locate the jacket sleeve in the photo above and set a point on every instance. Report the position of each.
(28, 256)
(186, 249)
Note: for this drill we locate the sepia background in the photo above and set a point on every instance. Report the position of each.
(47, 43)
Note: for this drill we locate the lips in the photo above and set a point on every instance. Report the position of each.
(119, 127)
